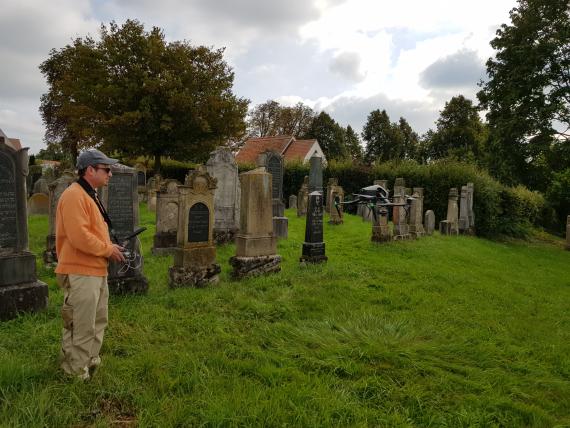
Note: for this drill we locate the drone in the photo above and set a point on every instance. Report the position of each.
(374, 196)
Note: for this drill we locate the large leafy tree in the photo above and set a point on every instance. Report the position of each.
(330, 135)
(144, 96)
(527, 92)
(460, 133)
(410, 140)
(271, 118)
(384, 140)
(352, 144)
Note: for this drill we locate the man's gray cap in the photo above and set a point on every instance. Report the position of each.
(93, 157)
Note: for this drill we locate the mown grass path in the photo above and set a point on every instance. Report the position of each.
(436, 332)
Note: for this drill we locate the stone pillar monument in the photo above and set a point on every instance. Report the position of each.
(314, 247)
(316, 174)
(153, 186)
(336, 207)
(429, 222)
(329, 201)
(381, 231)
(303, 198)
(166, 231)
(293, 202)
(20, 290)
(56, 188)
(223, 167)
(256, 246)
(141, 181)
(464, 211)
(195, 255)
(416, 213)
(399, 215)
(121, 200)
(470, 211)
(450, 226)
(273, 163)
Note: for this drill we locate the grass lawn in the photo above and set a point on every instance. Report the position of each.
(443, 331)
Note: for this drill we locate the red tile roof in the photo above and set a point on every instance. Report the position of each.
(298, 149)
(285, 145)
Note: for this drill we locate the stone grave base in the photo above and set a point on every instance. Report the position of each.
(224, 236)
(164, 243)
(401, 232)
(27, 297)
(448, 228)
(281, 227)
(128, 285)
(19, 268)
(193, 277)
(50, 257)
(278, 208)
(417, 231)
(313, 253)
(253, 266)
(381, 234)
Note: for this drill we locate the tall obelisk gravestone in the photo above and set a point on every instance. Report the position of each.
(20, 291)
(314, 246)
(120, 198)
(195, 256)
(273, 163)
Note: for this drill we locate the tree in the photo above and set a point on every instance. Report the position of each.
(384, 140)
(148, 97)
(330, 135)
(352, 144)
(270, 119)
(296, 120)
(410, 143)
(526, 93)
(263, 119)
(459, 134)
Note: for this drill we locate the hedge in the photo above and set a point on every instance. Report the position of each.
(499, 210)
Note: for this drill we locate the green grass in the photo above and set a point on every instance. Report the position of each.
(437, 332)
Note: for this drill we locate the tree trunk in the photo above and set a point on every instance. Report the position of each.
(157, 164)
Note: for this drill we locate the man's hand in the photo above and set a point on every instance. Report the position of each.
(117, 254)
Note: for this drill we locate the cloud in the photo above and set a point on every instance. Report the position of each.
(347, 65)
(461, 69)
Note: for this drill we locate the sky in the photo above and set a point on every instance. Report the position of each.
(345, 57)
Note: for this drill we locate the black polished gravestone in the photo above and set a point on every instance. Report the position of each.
(198, 223)
(120, 198)
(314, 247)
(20, 291)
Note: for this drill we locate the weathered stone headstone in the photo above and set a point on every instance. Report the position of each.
(470, 211)
(256, 246)
(314, 246)
(195, 255)
(429, 222)
(329, 200)
(416, 213)
(153, 186)
(382, 183)
(293, 202)
(336, 211)
(399, 214)
(316, 174)
(165, 237)
(121, 200)
(141, 181)
(273, 163)
(38, 203)
(56, 188)
(223, 167)
(41, 186)
(464, 211)
(381, 231)
(568, 232)
(303, 198)
(450, 226)
(20, 291)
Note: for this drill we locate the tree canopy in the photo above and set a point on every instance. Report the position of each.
(330, 135)
(271, 118)
(135, 94)
(527, 93)
(384, 140)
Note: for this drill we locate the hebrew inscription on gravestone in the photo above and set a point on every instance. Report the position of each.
(121, 203)
(8, 225)
(198, 223)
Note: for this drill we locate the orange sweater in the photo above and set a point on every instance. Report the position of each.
(82, 239)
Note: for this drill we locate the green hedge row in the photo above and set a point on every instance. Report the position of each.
(499, 210)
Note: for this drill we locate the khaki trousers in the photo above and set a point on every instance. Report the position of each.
(85, 316)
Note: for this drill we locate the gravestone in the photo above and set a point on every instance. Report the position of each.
(450, 226)
(256, 246)
(568, 232)
(381, 231)
(381, 183)
(399, 214)
(316, 174)
(38, 203)
(429, 222)
(56, 188)
(165, 237)
(152, 186)
(141, 182)
(120, 199)
(464, 211)
(20, 290)
(329, 201)
(314, 247)
(303, 198)
(41, 186)
(223, 167)
(416, 213)
(337, 211)
(293, 202)
(470, 211)
(195, 254)
(273, 163)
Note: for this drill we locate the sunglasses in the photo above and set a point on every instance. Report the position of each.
(104, 168)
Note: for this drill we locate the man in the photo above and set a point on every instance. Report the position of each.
(83, 248)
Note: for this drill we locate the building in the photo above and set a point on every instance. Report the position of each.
(286, 145)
